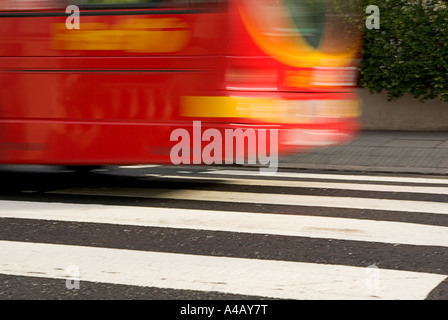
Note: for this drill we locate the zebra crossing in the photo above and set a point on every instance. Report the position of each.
(295, 235)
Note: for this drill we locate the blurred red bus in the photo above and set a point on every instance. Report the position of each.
(114, 90)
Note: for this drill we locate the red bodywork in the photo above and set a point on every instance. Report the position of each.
(96, 100)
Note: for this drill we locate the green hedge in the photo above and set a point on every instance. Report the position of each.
(408, 54)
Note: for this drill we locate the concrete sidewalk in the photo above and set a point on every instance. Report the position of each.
(380, 151)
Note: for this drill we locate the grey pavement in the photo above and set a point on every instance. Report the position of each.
(379, 151)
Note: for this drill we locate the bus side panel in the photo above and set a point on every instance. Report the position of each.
(108, 92)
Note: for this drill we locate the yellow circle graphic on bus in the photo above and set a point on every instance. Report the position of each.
(305, 33)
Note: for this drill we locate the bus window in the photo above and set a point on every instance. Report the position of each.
(331, 26)
(29, 4)
(87, 2)
(147, 3)
(309, 18)
(7, 5)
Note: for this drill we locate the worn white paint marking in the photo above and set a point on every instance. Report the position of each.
(266, 198)
(265, 278)
(258, 223)
(298, 175)
(311, 184)
(139, 167)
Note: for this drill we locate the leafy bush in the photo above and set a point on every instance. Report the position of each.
(409, 52)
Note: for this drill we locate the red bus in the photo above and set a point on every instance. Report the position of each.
(113, 89)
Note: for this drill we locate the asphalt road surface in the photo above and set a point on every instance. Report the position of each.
(229, 233)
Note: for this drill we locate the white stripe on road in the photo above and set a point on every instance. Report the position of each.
(298, 175)
(266, 198)
(310, 184)
(139, 166)
(257, 223)
(265, 278)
